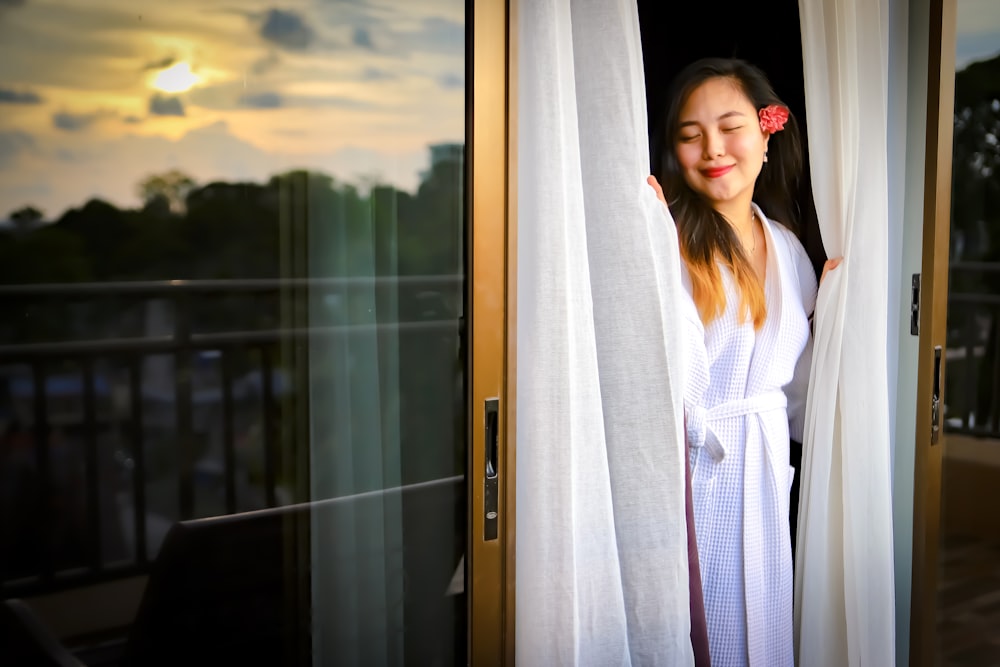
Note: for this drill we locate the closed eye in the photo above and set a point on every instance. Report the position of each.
(689, 138)
(733, 129)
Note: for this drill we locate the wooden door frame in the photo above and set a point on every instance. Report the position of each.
(492, 242)
(933, 327)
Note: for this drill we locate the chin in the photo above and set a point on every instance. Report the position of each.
(719, 195)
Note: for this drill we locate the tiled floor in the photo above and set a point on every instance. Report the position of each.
(969, 603)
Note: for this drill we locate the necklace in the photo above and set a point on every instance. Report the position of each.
(753, 230)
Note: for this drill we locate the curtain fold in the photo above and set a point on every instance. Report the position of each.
(602, 569)
(844, 604)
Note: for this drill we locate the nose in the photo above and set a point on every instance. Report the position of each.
(713, 145)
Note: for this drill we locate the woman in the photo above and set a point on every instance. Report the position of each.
(733, 154)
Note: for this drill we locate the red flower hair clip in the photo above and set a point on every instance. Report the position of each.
(773, 118)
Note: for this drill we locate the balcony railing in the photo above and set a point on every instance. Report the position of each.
(78, 451)
(83, 412)
(972, 390)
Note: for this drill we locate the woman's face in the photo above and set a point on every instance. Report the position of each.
(719, 143)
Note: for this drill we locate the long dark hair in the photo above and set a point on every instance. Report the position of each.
(706, 237)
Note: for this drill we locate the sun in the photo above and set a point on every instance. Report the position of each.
(175, 79)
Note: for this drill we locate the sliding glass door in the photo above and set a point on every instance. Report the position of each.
(245, 254)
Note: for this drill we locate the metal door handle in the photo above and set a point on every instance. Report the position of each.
(936, 397)
(491, 486)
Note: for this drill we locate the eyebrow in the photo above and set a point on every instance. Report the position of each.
(728, 114)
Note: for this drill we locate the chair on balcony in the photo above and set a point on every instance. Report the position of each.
(217, 594)
(237, 589)
(27, 642)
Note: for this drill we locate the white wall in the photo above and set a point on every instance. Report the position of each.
(908, 37)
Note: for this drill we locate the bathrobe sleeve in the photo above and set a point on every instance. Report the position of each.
(797, 388)
(696, 381)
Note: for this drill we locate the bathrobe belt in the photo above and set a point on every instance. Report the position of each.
(700, 419)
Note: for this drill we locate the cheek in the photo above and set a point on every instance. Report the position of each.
(688, 156)
(751, 148)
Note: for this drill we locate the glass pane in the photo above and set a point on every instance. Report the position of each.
(969, 576)
(232, 379)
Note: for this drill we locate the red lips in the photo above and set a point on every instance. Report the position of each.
(716, 172)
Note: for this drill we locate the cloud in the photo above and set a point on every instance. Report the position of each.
(338, 102)
(162, 105)
(376, 74)
(362, 38)
(265, 64)
(67, 155)
(452, 81)
(977, 31)
(286, 29)
(977, 16)
(13, 143)
(972, 47)
(12, 3)
(234, 95)
(442, 34)
(25, 195)
(109, 168)
(404, 39)
(262, 100)
(162, 63)
(8, 96)
(74, 122)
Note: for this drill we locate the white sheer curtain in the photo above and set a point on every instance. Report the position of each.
(844, 567)
(602, 576)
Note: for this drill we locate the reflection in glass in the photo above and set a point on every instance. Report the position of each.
(231, 256)
(969, 576)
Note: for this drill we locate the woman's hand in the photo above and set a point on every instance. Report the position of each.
(656, 187)
(830, 265)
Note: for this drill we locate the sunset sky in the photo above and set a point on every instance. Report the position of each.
(978, 31)
(97, 94)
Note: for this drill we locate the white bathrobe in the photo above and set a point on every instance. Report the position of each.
(744, 397)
